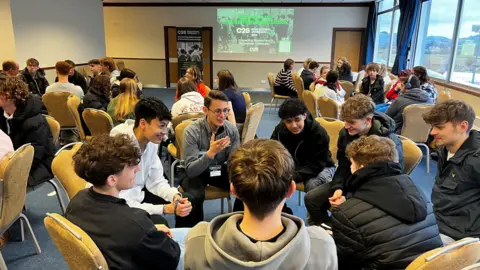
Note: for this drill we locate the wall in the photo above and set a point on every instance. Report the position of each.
(7, 46)
(472, 100)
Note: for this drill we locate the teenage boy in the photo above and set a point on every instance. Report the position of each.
(360, 118)
(456, 192)
(151, 191)
(63, 85)
(373, 84)
(261, 237)
(34, 76)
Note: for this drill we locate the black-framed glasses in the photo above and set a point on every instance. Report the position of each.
(219, 111)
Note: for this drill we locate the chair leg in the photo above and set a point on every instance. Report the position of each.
(276, 104)
(2, 262)
(229, 200)
(271, 106)
(22, 230)
(34, 239)
(59, 196)
(299, 198)
(172, 172)
(427, 158)
(221, 205)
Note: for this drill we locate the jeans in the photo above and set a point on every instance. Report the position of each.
(317, 204)
(180, 235)
(323, 177)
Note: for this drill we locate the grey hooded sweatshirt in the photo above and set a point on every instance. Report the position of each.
(221, 245)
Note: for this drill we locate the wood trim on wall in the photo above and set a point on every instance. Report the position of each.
(362, 47)
(219, 61)
(463, 89)
(137, 58)
(53, 67)
(233, 4)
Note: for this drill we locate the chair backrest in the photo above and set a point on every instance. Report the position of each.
(412, 155)
(298, 81)
(414, 127)
(254, 115)
(62, 167)
(56, 104)
(182, 117)
(333, 128)
(309, 99)
(72, 103)
(348, 87)
(295, 74)
(271, 83)
(98, 121)
(76, 247)
(14, 171)
(247, 98)
(207, 90)
(454, 256)
(54, 128)
(327, 107)
(444, 95)
(472, 267)
(179, 135)
(312, 87)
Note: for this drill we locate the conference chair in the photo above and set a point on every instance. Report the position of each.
(298, 81)
(472, 267)
(56, 104)
(254, 115)
(415, 128)
(13, 190)
(54, 128)
(444, 95)
(454, 256)
(73, 102)
(348, 87)
(412, 154)
(309, 100)
(312, 87)
(275, 97)
(98, 121)
(76, 247)
(328, 107)
(247, 98)
(333, 128)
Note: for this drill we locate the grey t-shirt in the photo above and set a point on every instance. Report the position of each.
(66, 87)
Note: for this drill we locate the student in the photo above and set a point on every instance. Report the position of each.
(329, 88)
(6, 145)
(151, 191)
(284, 82)
(98, 95)
(95, 69)
(305, 65)
(261, 237)
(456, 192)
(344, 70)
(307, 142)
(63, 85)
(395, 91)
(34, 76)
(22, 120)
(373, 85)
(323, 75)
(360, 118)
(190, 101)
(122, 107)
(383, 72)
(411, 94)
(309, 75)
(425, 83)
(109, 68)
(384, 213)
(126, 236)
(126, 73)
(207, 143)
(238, 105)
(10, 68)
(195, 75)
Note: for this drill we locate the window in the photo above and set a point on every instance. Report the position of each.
(385, 5)
(386, 32)
(393, 46)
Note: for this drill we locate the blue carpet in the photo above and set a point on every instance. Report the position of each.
(21, 255)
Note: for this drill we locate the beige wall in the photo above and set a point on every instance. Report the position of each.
(7, 45)
(472, 100)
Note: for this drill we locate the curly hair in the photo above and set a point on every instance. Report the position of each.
(14, 89)
(357, 107)
(372, 149)
(103, 156)
(454, 111)
(102, 84)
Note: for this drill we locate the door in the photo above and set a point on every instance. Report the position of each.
(348, 42)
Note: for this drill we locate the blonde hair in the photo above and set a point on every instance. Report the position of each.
(127, 99)
(382, 70)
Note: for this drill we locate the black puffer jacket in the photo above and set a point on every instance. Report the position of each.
(308, 77)
(30, 126)
(95, 100)
(309, 149)
(36, 85)
(385, 223)
(375, 91)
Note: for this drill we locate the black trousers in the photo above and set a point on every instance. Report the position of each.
(154, 199)
(317, 203)
(284, 91)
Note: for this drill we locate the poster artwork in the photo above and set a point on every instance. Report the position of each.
(189, 49)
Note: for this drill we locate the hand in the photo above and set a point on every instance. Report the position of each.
(337, 194)
(337, 202)
(217, 146)
(184, 207)
(164, 229)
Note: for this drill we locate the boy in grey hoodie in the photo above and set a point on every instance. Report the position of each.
(261, 237)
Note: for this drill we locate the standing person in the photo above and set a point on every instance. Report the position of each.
(425, 83)
(98, 95)
(261, 237)
(329, 88)
(284, 82)
(190, 101)
(456, 192)
(360, 118)
(75, 77)
(34, 76)
(373, 85)
(344, 70)
(195, 75)
(386, 236)
(308, 75)
(122, 107)
(305, 65)
(109, 68)
(63, 85)
(236, 101)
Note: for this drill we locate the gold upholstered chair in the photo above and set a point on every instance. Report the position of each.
(98, 121)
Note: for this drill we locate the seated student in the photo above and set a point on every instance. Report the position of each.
(195, 75)
(95, 67)
(307, 142)
(329, 89)
(383, 71)
(261, 237)
(309, 74)
(22, 120)
(207, 143)
(98, 95)
(384, 221)
(373, 85)
(456, 192)
(189, 100)
(10, 68)
(360, 118)
(425, 83)
(63, 85)
(34, 76)
(284, 82)
(151, 191)
(75, 77)
(344, 70)
(109, 68)
(126, 73)
(122, 107)
(6, 145)
(323, 75)
(238, 105)
(305, 65)
(126, 236)
(395, 92)
(411, 94)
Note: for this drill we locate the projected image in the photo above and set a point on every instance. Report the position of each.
(254, 30)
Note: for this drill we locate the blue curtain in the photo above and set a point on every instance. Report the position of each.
(370, 34)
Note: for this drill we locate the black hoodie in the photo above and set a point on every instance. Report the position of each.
(36, 85)
(310, 149)
(30, 126)
(385, 223)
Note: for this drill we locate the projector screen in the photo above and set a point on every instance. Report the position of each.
(261, 31)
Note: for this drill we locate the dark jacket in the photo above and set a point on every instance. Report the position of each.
(375, 90)
(30, 126)
(412, 96)
(456, 192)
(385, 223)
(309, 149)
(95, 100)
(77, 79)
(383, 126)
(36, 85)
(308, 77)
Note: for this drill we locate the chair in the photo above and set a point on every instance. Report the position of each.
(328, 107)
(472, 267)
(63, 170)
(412, 154)
(415, 128)
(333, 128)
(254, 115)
(348, 87)
(444, 95)
(56, 104)
(298, 81)
(271, 82)
(207, 90)
(247, 98)
(13, 189)
(312, 87)
(98, 121)
(76, 247)
(300, 188)
(54, 128)
(73, 102)
(309, 99)
(454, 256)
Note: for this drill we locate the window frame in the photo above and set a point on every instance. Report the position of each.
(392, 10)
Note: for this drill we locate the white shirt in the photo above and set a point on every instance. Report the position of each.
(66, 87)
(450, 155)
(191, 102)
(6, 145)
(323, 91)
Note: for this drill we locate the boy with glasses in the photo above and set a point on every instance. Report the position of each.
(34, 76)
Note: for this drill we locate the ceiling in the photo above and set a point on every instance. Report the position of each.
(237, 1)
